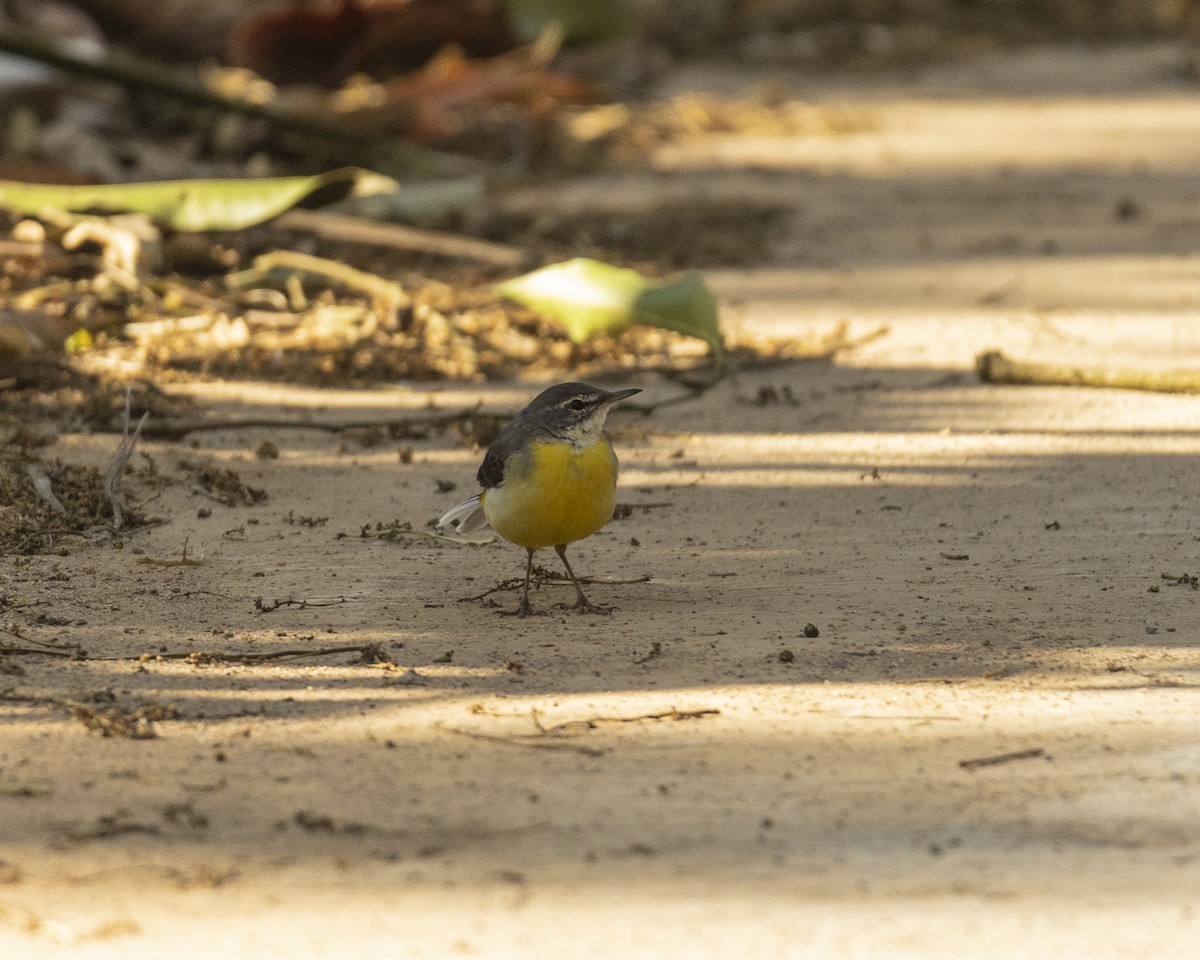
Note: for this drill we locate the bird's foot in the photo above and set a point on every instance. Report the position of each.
(582, 606)
(524, 609)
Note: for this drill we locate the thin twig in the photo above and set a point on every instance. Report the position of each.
(370, 652)
(183, 561)
(405, 428)
(46, 644)
(335, 226)
(501, 587)
(557, 578)
(388, 533)
(691, 393)
(591, 723)
(1002, 758)
(543, 577)
(548, 738)
(534, 742)
(201, 657)
(185, 594)
(116, 470)
(303, 604)
(42, 652)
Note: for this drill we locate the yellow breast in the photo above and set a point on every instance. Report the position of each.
(554, 493)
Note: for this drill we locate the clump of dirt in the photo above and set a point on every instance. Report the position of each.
(135, 723)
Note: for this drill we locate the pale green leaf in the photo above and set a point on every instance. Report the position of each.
(686, 306)
(193, 205)
(586, 296)
(589, 298)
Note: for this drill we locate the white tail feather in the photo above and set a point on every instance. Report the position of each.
(467, 516)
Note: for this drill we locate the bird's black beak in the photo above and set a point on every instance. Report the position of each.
(616, 395)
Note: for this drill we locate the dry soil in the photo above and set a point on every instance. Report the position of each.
(985, 744)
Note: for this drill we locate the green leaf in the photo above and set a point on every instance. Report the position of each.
(581, 21)
(589, 297)
(194, 205)
(586, 296)
(686, 306)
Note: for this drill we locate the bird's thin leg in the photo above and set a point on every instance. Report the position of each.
(523, 608)
(581, 603)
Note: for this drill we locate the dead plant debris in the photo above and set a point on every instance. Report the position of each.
(101, 712)
(116, 824)
(30, 523)
(323, 823)
(137, 724)
(223, 484)
(281, 319)
(312, 522)
(401, 531)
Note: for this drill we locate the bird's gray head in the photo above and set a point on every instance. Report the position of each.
(572, 411)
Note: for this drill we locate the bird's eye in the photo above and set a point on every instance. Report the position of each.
(576, 404)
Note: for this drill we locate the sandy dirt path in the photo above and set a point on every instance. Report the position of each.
(991, 748)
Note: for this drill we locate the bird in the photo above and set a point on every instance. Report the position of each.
(549, 479)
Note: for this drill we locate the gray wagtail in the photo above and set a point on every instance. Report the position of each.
(549, 479)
